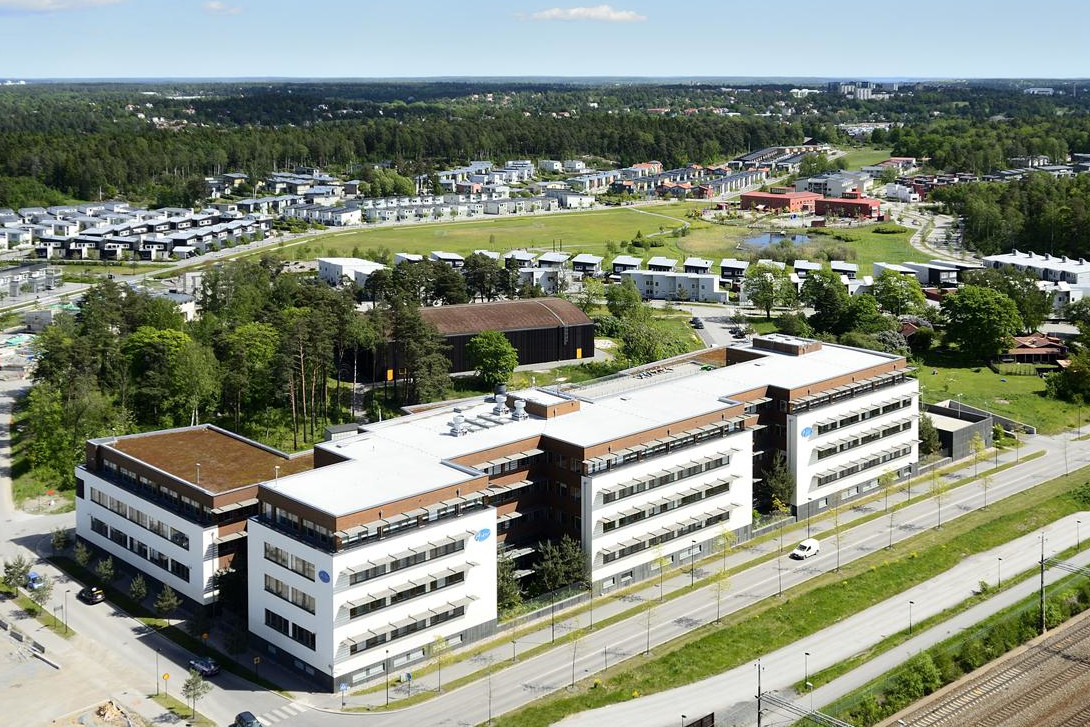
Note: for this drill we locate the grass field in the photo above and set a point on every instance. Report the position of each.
(573, 232)
(864, 156)
(945, 376)
(814, 605)
(585, 232)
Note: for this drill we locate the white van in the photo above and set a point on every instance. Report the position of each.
(806, 549)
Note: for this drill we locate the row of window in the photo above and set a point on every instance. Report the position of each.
(508, 467)
(796, 407)
(141, 549)
(863, 466)
(301, 527)
(406, 562)
(651, 483)
(142, 519)
(292, 562)
(865, 439)
(411, 628)
(877, 410)
(293, 595)
(719, 489)
(660, 539)
(167, 498)
(407, 595)
(612, 461)
(290, 629)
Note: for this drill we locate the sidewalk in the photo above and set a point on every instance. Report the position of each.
(543, 631)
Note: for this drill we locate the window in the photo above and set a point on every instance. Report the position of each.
(179, 570)
(303, 636)
(276, 622)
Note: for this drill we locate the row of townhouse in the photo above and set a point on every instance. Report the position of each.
(570, 166)
(361, 554)
(445, 210)
(516, 171)
(323, 215)
(778, 157)
(179, 243)
(32, 278)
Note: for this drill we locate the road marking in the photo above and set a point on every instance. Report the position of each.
(295, 708)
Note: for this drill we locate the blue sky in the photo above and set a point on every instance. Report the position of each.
(383, 38)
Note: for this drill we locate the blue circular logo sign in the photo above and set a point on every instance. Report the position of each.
(482, 535)
(323, 576)
(808, 431)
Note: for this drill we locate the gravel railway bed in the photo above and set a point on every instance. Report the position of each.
(1044, 685)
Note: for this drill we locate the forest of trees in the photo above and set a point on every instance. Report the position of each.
(1039, 214)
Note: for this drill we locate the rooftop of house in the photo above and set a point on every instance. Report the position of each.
(227, 461)
(504, 315)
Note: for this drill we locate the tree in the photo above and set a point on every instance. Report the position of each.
(591, 292)
(778, 483)
(16, 572)
(105, 570)
(167, 602)
(508, 591)
(898, 294)
(937, 490)
(493, 357)
(623, 300)
(921, 341)
(43, 591)
(439, 648)
(929, 436)
(194, 688)
(794, 324)
(483, 276)
(980, 321)
(825, 293)
(82, 554)
(976, 447)
(767, 286)
(560, 564)
(1034, 304)
(59, 540)
(138, 588)
(721, 581)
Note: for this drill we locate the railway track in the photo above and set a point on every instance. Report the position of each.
(977, 694)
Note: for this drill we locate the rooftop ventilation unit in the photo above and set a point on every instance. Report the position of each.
(500, 408)
(458, 426)
(520, 411)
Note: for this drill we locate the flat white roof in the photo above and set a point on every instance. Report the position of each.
(586, 257)
(627, 260)
(554, 257)
(409, 456)
(660, 260)
(697, 262)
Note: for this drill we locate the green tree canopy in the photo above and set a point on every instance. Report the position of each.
(825, 293)
(493, 357)
(898, 294)
(981, 321)
(767, 286)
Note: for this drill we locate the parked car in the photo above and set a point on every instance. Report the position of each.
(33, 582)
(246, 719)
(91, 595)
(696, 322)
(204, 666)
(806, 549)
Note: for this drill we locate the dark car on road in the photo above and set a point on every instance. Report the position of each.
(246, 719)
(91, 594)
(204, 666)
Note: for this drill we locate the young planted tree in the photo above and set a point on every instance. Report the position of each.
(508, 591)
(937, 490)
(976, 447)
(167, 602)
(138, 588)
(194, 688)
(82, 554)
(42, 593)
(439, 648)
(105, 570)
(16, 572)
(59, 540)
(721, 583)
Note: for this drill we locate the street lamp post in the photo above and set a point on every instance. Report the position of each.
(890, 531)
(157, 671)
(806, 667)
(1078, 537)
(910, 605)
(386, 668)
(66, 592)
(999, 572)
(692, 564)
(683, 718)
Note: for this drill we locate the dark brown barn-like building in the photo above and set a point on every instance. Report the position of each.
(542, 330)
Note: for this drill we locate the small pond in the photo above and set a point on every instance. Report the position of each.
(770, 238)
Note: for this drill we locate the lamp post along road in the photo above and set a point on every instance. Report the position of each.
(910, 605)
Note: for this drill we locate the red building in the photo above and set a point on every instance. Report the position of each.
(782, 201)
(848, 207)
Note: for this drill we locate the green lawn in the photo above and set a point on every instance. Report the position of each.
(181, 711)
(945, 376)
(575, 232)
(815, 604)
(860, 157)
(118, 269)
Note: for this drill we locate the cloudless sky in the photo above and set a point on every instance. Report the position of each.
(384, 38)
